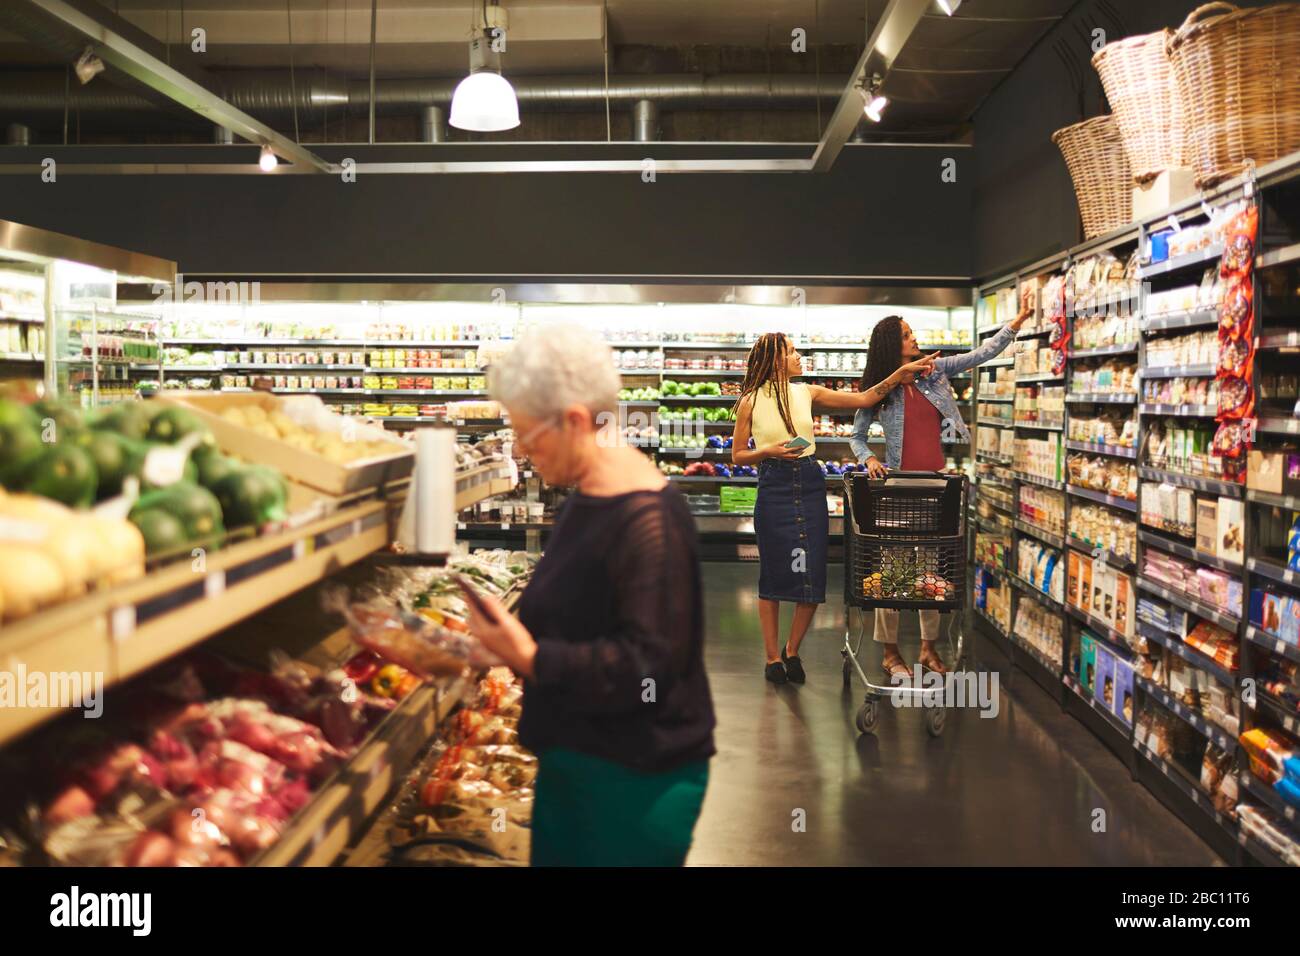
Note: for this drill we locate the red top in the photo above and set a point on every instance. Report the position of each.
(921, 448)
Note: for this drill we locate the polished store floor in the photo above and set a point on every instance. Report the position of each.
(1017, 789)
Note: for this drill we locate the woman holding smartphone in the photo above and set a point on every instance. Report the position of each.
(916, 410)
(790, 516)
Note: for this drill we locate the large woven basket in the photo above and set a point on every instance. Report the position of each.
(1103, 182)
(1142, 92)
(1238, 75)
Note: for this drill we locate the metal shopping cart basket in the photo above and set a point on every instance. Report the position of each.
(904, 548)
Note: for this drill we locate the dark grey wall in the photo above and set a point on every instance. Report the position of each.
(1024, 204)
(883, 211)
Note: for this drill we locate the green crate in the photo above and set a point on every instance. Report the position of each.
(736, 498)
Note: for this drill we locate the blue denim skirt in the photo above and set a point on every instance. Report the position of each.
(792, 526)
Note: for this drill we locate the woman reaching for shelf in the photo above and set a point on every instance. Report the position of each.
(610, 634)
(790, 517)
(917, 419)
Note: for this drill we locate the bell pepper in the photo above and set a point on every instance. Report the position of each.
(363, 666)
(387, 680)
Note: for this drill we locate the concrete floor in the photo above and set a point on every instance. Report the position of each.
(1019, 789)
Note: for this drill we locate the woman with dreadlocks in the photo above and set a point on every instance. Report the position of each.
(917, 418)
(790, 516)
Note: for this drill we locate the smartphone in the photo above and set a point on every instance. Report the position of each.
(797, 442)
(474, 598)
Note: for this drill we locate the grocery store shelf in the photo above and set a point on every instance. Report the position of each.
(995, 423)
(1041, 377)
(330, 344)
(1124, 348)
(1177, 371)
(993, 527)
(311, 369)
(1099, 628)
(1102, 398)
(1217, 486)
(1033, 333)
(994, 398)
(336, 814)
(1272, 643)
(1035, 480)
(1278, 425)
(1053, 668)
(125, 630)
(695, 400)
(431, 420)
(1102, 498)
(1116, 725)
(1229, 622)
(495, 527)
(714, 479)
(1021, 584)
(1112, 559)
(1204, 727)
(998, 363)
(1181, 320)
(1182, 411)
(720, 346)
(1174, 263)
(1157, 540)
(35, 318)
(21, 357)
(1188, 789)
(1188, 653)
(1279, 340)
(1286, 716)
(994, 459)
(1279, 256)
(1274, 571)
(1024, 527)
(1040, 427)
(1115, 451)
(672, 373)
(991, 621)
(168, 368)
(404, 370)
(1288, 502)
(1262, 792)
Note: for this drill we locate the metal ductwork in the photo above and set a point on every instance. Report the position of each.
(272, 94)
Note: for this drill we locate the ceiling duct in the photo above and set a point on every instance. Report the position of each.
(272, 94)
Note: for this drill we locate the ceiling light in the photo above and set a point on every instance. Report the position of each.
(949, 6)
(485, 102)
(267, 160)
(88, 66)
(874, 108)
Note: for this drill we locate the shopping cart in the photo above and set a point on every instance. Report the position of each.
(904, 548)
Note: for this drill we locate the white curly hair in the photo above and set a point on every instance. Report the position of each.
(554, 366)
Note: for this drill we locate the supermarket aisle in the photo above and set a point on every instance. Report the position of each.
(1016, 790)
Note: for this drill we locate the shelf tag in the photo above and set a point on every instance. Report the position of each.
(460, 526)
(214, 585)
(505, 526)
(121, 622)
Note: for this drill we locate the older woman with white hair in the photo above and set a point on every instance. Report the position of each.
(610, 635)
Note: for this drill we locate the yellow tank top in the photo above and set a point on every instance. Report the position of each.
(767, 427)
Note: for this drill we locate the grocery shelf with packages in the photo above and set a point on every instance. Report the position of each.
(1172, 468)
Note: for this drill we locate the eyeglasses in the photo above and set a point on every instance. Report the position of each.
(538, 429)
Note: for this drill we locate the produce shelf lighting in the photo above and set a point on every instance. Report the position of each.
(875, 107)
(267, 160)
(949, 6)
(485, 102)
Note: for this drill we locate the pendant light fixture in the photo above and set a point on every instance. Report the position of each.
(485, 102)
(873, 104)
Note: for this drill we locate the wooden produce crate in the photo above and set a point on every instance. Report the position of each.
(305, 467)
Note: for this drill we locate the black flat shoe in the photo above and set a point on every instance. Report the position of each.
(793, 668)
(775, 672)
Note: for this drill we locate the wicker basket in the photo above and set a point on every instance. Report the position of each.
(1238, 75)
(1103, 182)
(1140, 86)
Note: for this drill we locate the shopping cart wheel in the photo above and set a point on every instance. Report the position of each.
(848, 669)
(868, 716)
(934, 718)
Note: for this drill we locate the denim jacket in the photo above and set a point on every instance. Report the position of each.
(935, 387)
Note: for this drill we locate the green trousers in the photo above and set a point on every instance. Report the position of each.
(591, 812)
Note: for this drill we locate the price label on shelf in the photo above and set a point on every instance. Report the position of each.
(121, 622)
(528, 474)
(214, 585)
(460, 526)
(505, 526)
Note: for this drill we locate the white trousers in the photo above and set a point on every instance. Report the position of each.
(886, 630)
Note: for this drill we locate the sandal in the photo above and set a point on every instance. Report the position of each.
(934, 665)
(897, 668)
